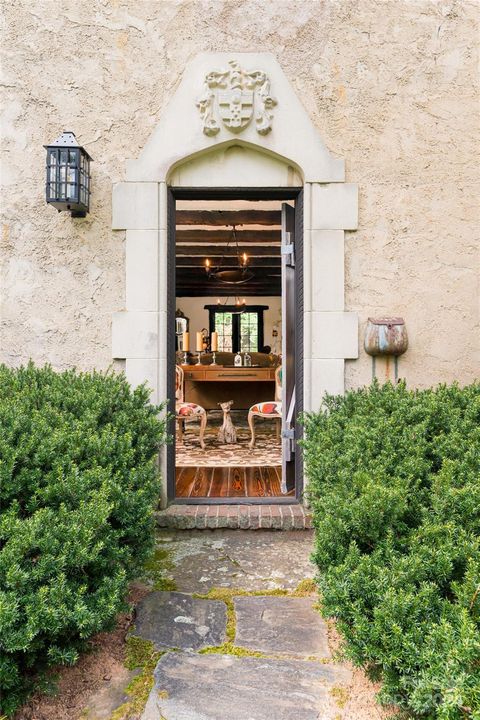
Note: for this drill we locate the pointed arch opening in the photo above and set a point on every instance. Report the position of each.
(235, 163)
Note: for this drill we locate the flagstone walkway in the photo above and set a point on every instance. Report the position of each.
(240, 637)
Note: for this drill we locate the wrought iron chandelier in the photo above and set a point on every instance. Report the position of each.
(234, 276)
(240, 305)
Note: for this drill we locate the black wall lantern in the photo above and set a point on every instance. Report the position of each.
(68, 175)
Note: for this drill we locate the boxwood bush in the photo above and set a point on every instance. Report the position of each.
(78, 484)
(394, 483)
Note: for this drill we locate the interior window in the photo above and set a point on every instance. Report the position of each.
(249, 332)
(238, 332)
(223, 326)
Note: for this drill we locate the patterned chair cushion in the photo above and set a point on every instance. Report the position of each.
(268, 409)
(185, 409)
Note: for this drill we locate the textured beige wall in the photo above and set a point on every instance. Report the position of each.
(391, 87)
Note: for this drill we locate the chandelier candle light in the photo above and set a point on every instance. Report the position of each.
(241, 304)
(223, 274)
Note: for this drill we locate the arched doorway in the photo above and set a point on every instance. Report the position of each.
(180, 157)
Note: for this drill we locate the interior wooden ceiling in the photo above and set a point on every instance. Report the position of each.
(204, 232)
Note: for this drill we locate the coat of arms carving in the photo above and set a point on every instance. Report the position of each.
(236, 96)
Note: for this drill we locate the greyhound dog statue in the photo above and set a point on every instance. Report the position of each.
(227, 433)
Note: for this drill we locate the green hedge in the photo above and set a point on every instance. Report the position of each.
(78, 484)
(394, 482)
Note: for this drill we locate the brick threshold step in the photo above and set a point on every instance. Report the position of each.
(234, 517)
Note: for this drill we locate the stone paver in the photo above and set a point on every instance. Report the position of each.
(284, 684)
(287, 682)
(281, 625)
(251, 517)
(176, 620)
(224, 687)
(238, 559)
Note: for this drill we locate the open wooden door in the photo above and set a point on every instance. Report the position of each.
(288, 347)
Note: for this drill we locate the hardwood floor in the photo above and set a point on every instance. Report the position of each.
(192, 482)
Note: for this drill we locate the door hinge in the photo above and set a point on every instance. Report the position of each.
(288, 436)
(288, 431)
(288, 249)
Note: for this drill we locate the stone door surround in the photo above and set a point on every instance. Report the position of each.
(289, 153)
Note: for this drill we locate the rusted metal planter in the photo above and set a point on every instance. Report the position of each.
(386, 336)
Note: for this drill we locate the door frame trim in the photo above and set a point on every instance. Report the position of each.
(238, 193)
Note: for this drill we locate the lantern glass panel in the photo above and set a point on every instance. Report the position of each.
(52, 174)
(62, 185)
(72, 183)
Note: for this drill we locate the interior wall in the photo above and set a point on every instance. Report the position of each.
(194, 309)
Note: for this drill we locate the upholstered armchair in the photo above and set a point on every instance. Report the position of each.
(272, 410)
(185, 411)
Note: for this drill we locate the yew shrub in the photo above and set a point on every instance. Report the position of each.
(78, 485)
(394, 483)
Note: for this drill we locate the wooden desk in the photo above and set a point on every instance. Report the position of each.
(221, 373)
(244, 385)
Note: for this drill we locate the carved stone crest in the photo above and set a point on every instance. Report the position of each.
(236, 96)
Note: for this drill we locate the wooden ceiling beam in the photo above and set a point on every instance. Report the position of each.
(200, 275)
(228, 217)
(191, 282)
(224, 291)
(266, 292)
(185, 261)
(235, 289)
(229, 289)
(244, 237)
(217, 251)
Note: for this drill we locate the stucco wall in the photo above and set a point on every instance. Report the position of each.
(390, 86)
